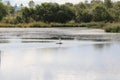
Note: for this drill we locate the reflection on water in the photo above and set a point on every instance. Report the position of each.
(101, 46)
(73, 60)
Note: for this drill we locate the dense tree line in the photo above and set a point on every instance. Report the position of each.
(49, 12)
(97, 11)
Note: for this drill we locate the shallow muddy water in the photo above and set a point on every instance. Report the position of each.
(36, 59)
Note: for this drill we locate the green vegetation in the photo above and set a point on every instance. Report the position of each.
(3, 11)
(43, 24)
(115, 27)
(97, 14)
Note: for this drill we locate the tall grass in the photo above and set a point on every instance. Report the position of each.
(43, 24)
(114, 28)
(6, 25)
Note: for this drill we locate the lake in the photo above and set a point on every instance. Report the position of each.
(40, 59)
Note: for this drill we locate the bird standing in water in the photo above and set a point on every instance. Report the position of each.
(59, 41)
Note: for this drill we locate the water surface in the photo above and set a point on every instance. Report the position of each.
(35, 59)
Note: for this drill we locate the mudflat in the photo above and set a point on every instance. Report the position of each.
(64, 32)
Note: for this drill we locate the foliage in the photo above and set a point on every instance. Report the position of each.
(94, 14)
(115, 28)
(3, 11)
(115, 11)
(108, 3)
(49, 12)
(31, 4)
(100, 13)
(65, 14)
(82, 13)
(26, 14)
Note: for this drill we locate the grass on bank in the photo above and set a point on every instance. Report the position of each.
(108, 27)
(113, 28)
(42, 24)
(6, 25)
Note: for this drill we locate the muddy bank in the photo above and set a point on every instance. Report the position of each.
(55, 33)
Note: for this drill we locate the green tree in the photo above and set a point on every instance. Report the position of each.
(10, 9)
(82, 13)
(3, 11)
(79, 11)
(52, 12)
(80, 6)
(31, 4)
(84, 16)
(108, 3)
(47, 12)
(100, 13)
(26, 14)
(94, 2)
(115, 11)
(66, 13)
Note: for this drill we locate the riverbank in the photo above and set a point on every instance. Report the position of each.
(48, 25)
(108, 27)
(56, 33)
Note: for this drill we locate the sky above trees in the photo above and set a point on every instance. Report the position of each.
(25, 2)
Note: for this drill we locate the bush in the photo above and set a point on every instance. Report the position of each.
(114, 29)
(39, 24)
(96, 24)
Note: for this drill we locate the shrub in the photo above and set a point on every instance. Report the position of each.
(114, 29)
